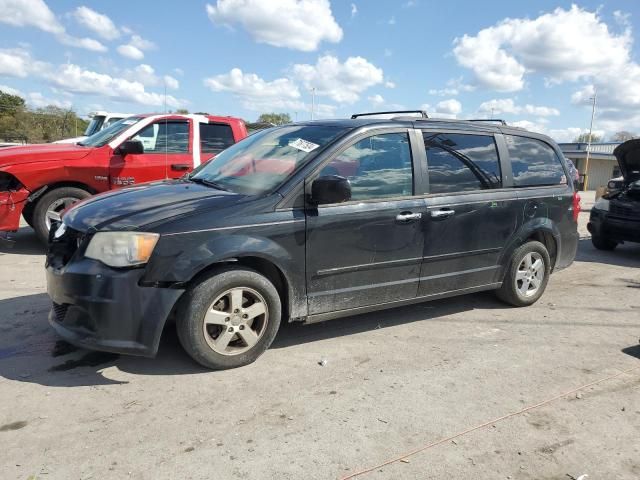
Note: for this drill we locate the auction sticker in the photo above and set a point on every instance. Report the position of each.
(303, 145)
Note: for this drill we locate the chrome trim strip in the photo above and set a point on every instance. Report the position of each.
(364, 266)
(217, 229)
(448, 256)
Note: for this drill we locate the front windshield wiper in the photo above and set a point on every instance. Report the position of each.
(208, 183)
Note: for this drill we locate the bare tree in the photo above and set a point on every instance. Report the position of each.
(622, 136)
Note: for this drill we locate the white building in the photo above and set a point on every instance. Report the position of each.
(603, 166)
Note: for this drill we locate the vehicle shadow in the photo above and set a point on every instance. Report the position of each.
(633, 350)
(22, 242)
(31, 352)
(626, 255)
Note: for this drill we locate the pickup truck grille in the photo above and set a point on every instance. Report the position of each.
(61, 249)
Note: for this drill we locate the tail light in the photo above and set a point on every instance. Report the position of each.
(576, 206)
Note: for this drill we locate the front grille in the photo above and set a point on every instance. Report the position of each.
(60, 250)
(624, 210)
(60, 311)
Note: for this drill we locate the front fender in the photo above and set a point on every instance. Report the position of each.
(180, 258)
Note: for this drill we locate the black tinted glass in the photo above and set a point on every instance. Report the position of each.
(461, 162)
(377, 167)
(534, 162)
(214, 138)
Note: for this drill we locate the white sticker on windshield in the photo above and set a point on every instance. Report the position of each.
(130, 122)
(303, 145)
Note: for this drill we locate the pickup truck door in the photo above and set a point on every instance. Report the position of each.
(168, 153)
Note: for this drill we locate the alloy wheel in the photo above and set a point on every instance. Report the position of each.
(530, 274)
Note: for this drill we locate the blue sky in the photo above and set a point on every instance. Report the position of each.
(536, 66)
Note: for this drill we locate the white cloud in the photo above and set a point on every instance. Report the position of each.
(376, 100)
(131, 52)
(17, 62)
(392, 20)
(178, 71)
(10, 90)
(342, 82)
(37, 100)
(146, 75)
(75, 79)
(450, 107)
(389, 84)
(29, 13)
(508, 105)
(296, 24)
(171, 82)
(387, 52)
(36, 13)
(444, 92)
(354, 10)
(564, 45)
(135, 48)
(99, 23)
(454, 87)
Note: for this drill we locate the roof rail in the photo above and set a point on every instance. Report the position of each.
(496, 120)
(422, 113)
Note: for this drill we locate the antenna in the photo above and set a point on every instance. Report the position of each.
(166, 135)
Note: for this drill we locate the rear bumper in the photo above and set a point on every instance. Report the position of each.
(11, 205)
(101, 308)
(603, 224)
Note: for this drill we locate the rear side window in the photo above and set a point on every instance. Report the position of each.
(215, 137)
(165, 137)
(534, 163)
(458, 162)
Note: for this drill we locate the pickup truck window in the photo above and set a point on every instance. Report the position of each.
(266, 159)
(215, 137)
(105, 136)
(165, 137)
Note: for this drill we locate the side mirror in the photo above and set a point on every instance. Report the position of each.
(131, 147)
(330, 189)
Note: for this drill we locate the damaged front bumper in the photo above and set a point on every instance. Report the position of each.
(12, 203)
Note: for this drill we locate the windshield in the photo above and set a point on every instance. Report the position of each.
(264, 160)
(95, 125)
(105, 136)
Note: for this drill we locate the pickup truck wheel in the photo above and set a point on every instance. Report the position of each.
(51, 205)
(603, 243)
(527, 275)
(229, 319)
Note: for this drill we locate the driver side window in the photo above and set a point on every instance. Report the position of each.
(377, 167)
(165, 137)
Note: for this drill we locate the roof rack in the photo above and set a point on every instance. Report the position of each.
(422, 113)
(495, 120)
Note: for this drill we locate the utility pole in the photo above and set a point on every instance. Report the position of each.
(313, 101)
(586, 165)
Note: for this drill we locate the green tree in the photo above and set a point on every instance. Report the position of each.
(10, 104)
(275, 118)
(182, 111)
(584, 138)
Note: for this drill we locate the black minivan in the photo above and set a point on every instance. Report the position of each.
(313, 221)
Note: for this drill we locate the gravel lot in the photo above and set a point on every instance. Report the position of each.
(394, 382)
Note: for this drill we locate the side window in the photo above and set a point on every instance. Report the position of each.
(377, 167)
(534, 162)
(215, 137)
(165, 137)
(458, 162)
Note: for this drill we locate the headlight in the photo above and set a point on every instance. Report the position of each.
(122, 249)
(602, 204)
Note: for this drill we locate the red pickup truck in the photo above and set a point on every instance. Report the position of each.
(40, 181)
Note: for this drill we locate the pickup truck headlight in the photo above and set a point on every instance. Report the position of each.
(122, 249)
(602, 204)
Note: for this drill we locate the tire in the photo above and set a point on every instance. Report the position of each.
(226, 342)
(59, 199)
(514, 284)
(603, 243)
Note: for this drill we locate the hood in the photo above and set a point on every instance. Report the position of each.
(42, 153)
(134, 207)
(628, 156)
(72, 140)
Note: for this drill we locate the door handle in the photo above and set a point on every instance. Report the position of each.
(180, 167)
(442, 214)
(407, 217)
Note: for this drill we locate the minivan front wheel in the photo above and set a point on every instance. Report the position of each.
(229, 319)
(527, 275)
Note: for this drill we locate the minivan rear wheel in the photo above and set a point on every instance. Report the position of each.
(527, 275)
(229, 319)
